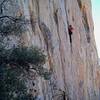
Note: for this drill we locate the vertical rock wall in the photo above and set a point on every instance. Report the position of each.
(74, 65)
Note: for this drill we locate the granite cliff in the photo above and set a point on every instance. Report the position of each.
(74, 65)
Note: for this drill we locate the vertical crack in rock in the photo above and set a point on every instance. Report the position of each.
(79, 3)
(55, 17)
(38, 8)
(47, 35)
(33, 23)
(67, 12)
(60, 46)
(85, 23)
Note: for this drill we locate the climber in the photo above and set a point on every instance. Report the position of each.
(70, 30)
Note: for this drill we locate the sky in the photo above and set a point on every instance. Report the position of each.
(96, 19)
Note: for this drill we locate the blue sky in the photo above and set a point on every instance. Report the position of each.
(96, 18)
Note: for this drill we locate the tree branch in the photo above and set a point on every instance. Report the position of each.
(1, 6)
(9, 17)
(16, 20)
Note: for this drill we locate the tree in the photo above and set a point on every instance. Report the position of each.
(14, 65)
(17, 62)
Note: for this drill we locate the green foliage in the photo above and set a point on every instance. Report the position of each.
(11, 85)
(13, 25)
(26, 55)
(25, 58)
(14, 65)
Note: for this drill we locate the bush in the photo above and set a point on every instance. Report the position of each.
(14, 65)
(11, 85)
(23, 57)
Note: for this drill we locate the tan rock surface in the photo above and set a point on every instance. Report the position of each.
(74, 66)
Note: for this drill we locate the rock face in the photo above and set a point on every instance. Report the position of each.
(74, 65)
